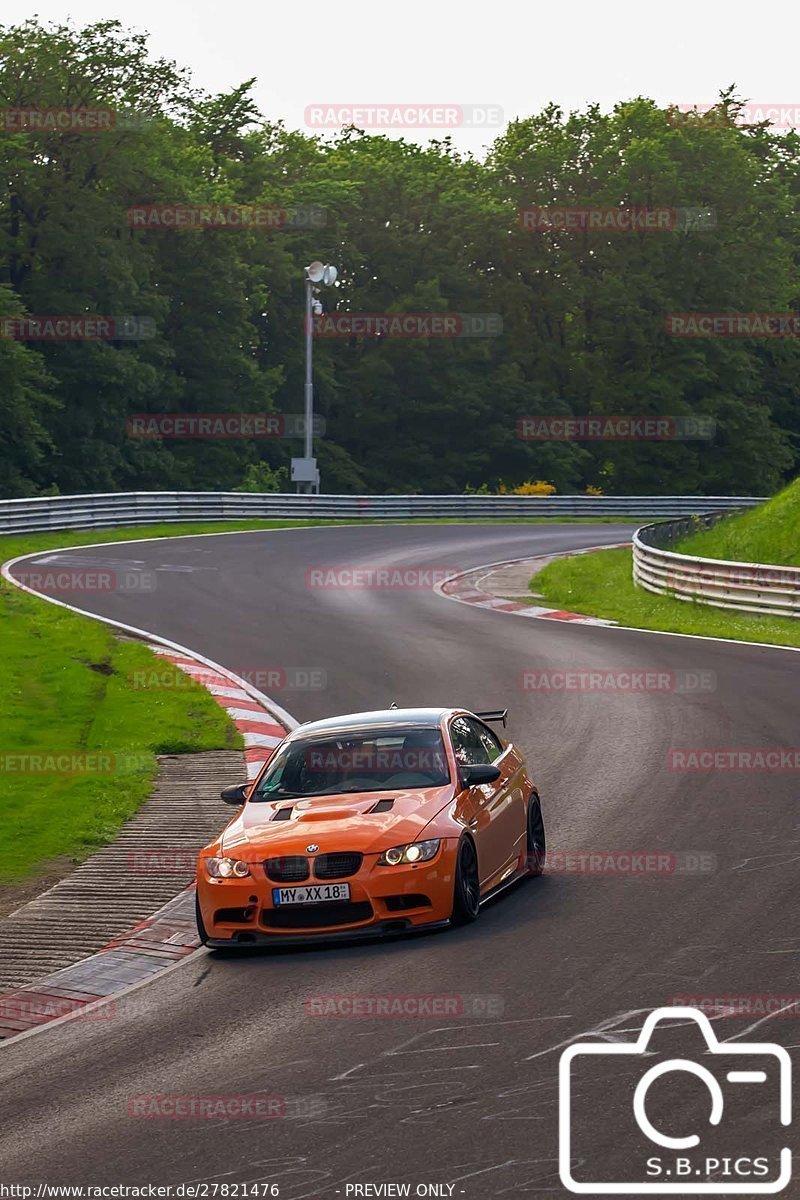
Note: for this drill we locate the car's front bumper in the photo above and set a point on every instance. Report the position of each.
(383, 902)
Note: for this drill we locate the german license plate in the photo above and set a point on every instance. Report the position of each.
(317, 893)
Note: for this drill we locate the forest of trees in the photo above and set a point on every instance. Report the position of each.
(411, 230)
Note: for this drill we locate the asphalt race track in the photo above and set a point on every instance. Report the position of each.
(472, 1100)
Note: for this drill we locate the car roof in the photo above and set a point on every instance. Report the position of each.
(382, 718)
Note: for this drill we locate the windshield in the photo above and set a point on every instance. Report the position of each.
(371, 761)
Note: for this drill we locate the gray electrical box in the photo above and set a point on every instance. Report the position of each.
(305, 470)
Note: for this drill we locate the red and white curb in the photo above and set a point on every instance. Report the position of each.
(78, 991)
(259, 728)
(463, 588)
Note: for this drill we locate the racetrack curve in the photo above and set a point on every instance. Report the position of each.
(471, 1100)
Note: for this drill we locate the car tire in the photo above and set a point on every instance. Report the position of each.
(536, 840)
(466, 889)
(198, 916)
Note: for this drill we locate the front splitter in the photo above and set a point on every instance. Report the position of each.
(378, 932)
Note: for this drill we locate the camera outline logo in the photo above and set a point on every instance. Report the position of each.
(688, 1185)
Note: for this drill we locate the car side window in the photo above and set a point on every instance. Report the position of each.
(467, 743)
(489, 741)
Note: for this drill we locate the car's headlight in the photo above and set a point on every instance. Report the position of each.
(227, 868)
(414, 852)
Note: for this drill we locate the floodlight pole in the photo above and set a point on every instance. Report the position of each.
(309, 390)
(304, 470)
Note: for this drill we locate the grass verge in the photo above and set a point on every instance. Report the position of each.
(769, 534)
(69, 690)
(600, 585)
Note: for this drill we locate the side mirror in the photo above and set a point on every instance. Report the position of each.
(236, 794)
(477, 773)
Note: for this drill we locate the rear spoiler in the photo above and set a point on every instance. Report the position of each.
(494, 714)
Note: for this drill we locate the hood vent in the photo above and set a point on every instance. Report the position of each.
(283, 814)
(381, 806)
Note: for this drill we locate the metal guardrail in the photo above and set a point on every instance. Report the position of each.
(748, 587)
(118, 509)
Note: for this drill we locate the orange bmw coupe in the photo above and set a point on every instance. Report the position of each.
(371, 824)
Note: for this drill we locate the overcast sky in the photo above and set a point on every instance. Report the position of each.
(503, 54)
